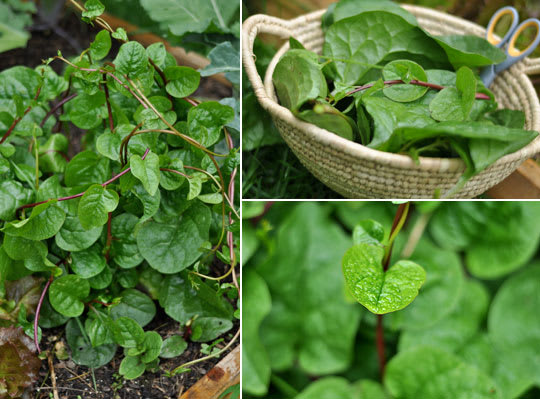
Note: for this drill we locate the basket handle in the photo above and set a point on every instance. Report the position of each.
(532, 66)
(251, 28)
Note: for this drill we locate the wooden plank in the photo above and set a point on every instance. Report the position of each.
(524, 183)
(225, 374)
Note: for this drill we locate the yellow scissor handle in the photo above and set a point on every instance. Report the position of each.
(496, 19)
(512, 49)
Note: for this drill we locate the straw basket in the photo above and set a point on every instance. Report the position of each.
(356, 171)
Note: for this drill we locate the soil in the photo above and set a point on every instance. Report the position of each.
(75, 381)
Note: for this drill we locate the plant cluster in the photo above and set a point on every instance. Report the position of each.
(386, 83)
(141, 216)
(15, 17)
(448, 294)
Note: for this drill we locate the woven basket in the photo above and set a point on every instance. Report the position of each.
(356, 171)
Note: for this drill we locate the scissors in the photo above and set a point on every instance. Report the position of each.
(513, 54)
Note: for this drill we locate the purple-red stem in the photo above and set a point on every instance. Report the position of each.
(17, 120)
(38, 309)
(379, 332)
(479, 96)
(55, 108)
(119, 175)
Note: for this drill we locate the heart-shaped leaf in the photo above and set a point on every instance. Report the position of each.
(66, 295)
(380, 292)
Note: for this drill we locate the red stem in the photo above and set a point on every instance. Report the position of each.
(119, 175)
(479, 96)
(38, 309)
(379, 332)
(175, 171)
(17, 120)
(55, 108)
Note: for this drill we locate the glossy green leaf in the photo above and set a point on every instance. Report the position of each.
(181, 81)
(73, 237)
(157, 53)
(86, 110)
(89, 262)
(328, 388)
(108, 145)
(406, 71)
(131, 367)
(101, 45)
(95, 205)
(98, 328)
(124, 250)
(83, 352)
(170, 248)
(206, 121)
(131, 59)
(348, 8)
(225, 58)
(471, 51)
(12, 195)
(428, 372)
(182, 301)
(173, 346)
(44, 222)
(127, 332)
(67, 293)
(152, 346)
(368, 232)
(379, 291)
(135, 305)
(86, 168)
(94, 8)
(298, 79)
(327, 117)
(206, 329)
(147, 171)
(52, 156)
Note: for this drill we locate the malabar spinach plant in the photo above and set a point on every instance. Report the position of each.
(136, 219)
(386, 83)
(459, 299)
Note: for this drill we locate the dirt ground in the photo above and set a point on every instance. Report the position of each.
(75, 381)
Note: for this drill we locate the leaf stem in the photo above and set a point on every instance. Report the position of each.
(479, 96)
(18, 119)
(399, 221)
(38, 310)
(283, 386)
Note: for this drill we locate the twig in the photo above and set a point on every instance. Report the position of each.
(38, 309)
(53, 375)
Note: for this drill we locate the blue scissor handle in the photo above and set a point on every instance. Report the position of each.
(490, 32)
(513, 53)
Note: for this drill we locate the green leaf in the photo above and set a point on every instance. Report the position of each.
(466, 84)
(294, 328)
(157, 52)
(327, 117)
(108, 145)
(124, 250)
(67, 293)
(147, 171)
(508, 117)
(328, 388)
(89, 262)
(120, 34)
(348, 8)
(170, 248)
(379, 291)
(514, 330)
(82, 351)
(52, 154)
(19, 248)
(458, 327)
(256, 306)
(372, 44)
(150, 202)
(368, 232)
(95, 205)
(225, 58)
(446, 106)
(298, 79)
(73, 237)
(206, 121)
(471, 51)
(439, 295)
(181, 81)
(173, 346)
(152, 346)
(206, 329)
(182, 16)
(427, 372)
(44, 222)
(182, 301)
(101, 45)
(86, 110)
(131, 59)
(406, 71)
(94, 9)
(135, 305)
(131, 367)
(12, 196)
(86, 168)
(127, 332)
